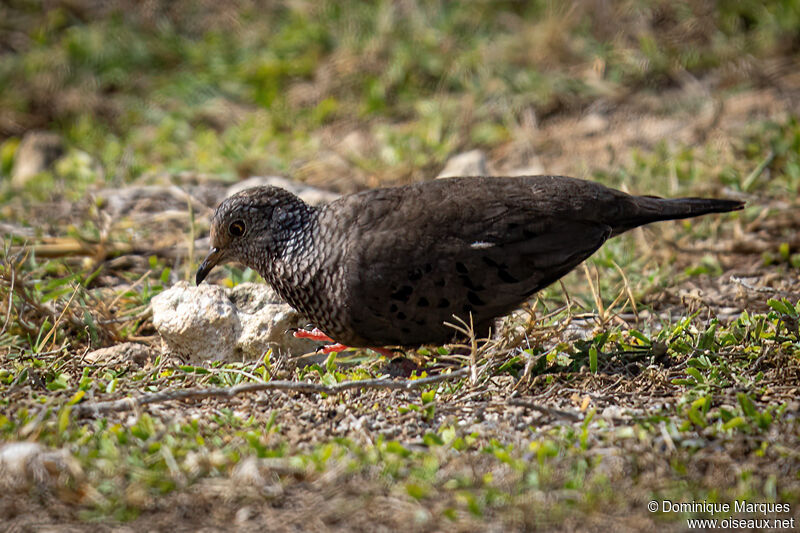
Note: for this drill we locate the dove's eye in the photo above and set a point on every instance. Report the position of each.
(236, 229)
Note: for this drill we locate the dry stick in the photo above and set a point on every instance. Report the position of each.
(128, 404)
(70, 247)
(181, 194)
(751, 287)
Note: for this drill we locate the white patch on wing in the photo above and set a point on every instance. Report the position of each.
(480, 245)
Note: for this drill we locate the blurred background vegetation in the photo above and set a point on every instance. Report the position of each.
(242, 87)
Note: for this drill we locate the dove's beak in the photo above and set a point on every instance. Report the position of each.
(212, 259)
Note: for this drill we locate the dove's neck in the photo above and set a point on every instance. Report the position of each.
(291, 264)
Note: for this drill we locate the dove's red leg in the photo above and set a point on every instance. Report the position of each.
(317, 335)
(336, 347)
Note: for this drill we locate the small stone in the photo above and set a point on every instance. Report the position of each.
(613, 411)
(472, 163)
(243, 515)
(132, 352)
(36, 153)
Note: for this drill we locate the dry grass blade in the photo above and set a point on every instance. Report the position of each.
(605, 314)
(135, 284)
(478, 348)
(47, 316)
(52, 332)
(468, 330)
(595, 289)
(628, 291)
(529, 364)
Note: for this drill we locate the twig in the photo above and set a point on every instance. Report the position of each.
(180, 194)
(69, 246)
(546, 410)
(749, 286)
(128, 404)
(40, 355)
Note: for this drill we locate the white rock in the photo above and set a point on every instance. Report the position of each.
(25, 464)
(243, 515)
(472, 163)
(613, 411)
(310, 195)
(209, 322)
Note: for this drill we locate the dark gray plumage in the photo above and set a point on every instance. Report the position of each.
(387, 267)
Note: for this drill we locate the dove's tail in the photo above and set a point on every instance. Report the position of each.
(649, 209)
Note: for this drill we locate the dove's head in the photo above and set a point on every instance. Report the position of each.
(253, 227)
